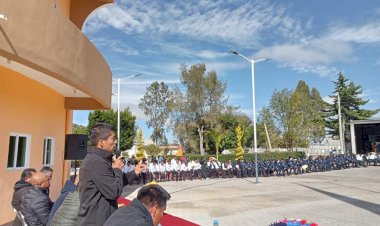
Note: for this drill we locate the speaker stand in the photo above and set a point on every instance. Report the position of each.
(75, 168)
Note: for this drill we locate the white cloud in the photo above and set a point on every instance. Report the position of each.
(172, 26)
(305, 68)
(116, 45)
(130, 95)
(377, 11)
(310, 58)
(376, 116)
(206, 54)
(328, 99)
(371, 94)
(367, 33)
(223, 21)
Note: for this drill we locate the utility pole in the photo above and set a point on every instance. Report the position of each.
(341, 135)
(266, 131)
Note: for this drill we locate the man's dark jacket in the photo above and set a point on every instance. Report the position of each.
(99, 187)
(36, 206)
(136, 214)
(20, 188)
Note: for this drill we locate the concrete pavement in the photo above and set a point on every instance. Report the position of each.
(344, 197)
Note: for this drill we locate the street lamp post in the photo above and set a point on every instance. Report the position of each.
(118, 105)
(252, 61)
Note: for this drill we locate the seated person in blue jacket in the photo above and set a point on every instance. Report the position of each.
(67, 188)
(145, 210)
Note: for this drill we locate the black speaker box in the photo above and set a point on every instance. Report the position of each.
(75, 146)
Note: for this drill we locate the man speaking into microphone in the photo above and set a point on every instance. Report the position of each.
(101, 177)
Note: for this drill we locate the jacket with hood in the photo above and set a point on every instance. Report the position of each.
(20, 189)
(36, 206)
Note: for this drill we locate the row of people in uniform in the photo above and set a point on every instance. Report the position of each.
(184, 169)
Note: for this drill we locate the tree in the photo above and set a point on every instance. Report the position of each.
(281, 109)
(216, 134)
(229, 120)
(317, 130)
(79, 129)
(127, 124)
(350, 105)
(156, 105)
(152, 150)
(300, 121)
(140, 145)
(202, 100)
(266, 119)
(239, 152)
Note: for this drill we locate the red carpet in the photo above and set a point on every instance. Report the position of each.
(167, 219)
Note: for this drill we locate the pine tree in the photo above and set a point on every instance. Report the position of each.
(350, 105)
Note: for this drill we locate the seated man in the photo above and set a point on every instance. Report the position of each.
(20, 189)
(67, 189)
(146, 210)
(36, 204)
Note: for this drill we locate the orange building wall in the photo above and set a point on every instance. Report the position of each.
(64, 5)
(31, 108)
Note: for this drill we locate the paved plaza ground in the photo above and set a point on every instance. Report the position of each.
(344, 197)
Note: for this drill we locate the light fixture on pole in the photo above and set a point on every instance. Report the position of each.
(118, 105)
(252, 61)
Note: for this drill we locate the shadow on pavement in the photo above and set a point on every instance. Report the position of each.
(369, 206)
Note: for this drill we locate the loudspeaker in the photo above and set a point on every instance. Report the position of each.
(75, 146)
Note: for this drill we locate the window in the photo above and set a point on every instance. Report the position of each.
(48, 151)
(18, 151)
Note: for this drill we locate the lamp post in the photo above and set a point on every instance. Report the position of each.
(252, 61)
(118, 105)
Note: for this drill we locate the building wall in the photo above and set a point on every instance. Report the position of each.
(28, 107)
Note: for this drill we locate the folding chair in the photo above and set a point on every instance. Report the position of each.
(21, 217)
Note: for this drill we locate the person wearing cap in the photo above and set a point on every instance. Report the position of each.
(145, 210)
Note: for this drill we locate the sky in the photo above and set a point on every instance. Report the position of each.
(306, 40)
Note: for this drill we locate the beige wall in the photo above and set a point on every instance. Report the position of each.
(30, 108)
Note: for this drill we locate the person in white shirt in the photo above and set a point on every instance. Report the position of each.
(230, 169)
(372, 158)
(152, 170)
(184, 170)
(175, 168)
(213, 167)
(162, 170)
(197, 169)
(128, 167)
(191, 166)
(168, 170)
(225, 169)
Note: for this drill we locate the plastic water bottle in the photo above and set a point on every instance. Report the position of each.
(216, 222)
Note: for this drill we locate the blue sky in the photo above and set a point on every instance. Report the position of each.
(306, 40)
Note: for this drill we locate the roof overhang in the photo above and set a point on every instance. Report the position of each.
(367, 121)
(37, 40)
